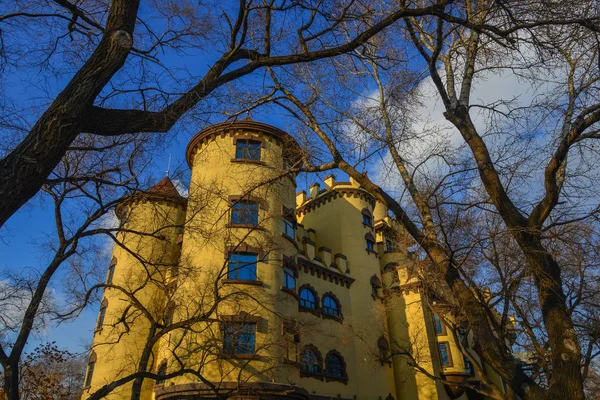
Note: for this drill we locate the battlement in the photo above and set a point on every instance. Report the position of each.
(331, 191)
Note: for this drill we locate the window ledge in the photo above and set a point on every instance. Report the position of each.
(313, 311)
(368, 226)
(248, 161)
(290, 362)
(247, 226)
(289, 291)
(336, 318)
(289, 238)
(242, 282)
(237, 356)
(316, 375)
(372, 252)
(342, 379)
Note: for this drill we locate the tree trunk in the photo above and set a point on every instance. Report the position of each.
(566, 381)
(136, 389)
(11, 381)
(25, 169)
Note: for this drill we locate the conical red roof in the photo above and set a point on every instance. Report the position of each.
(165, 187)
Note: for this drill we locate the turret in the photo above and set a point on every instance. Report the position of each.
(142, 260)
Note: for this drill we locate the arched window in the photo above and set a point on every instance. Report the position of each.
(101, 315)
(331, 306)
(111, 271)
(90, 370)
(384, 349)
(335, 367)
(308, 298)
(161, 372)
(311, 361)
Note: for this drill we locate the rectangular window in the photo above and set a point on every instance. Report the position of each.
(90, 373)
(370, 245)
(289, 229)
(244, 213)
(388, 245)
(289, 279)
(247, 149)
(367, 220)
(438, 325)
(469, 367)
(462, 335)
(239, 338)
(445, 357)
(242, 266)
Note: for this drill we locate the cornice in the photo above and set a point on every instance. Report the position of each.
(224, 129)
(325, 273)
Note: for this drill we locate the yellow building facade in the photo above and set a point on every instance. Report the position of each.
(249, 290)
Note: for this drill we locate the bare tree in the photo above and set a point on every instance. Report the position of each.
(438, 200)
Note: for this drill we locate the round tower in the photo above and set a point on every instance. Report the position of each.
(142, 260)
(240, 231)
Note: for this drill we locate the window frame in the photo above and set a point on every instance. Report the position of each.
(235, 334)
(89, 371)
(389, 248)
(318, 362)
(291, 274)
(243, 149)
(471, 370)
(237, 270)
(370, 243)
(343, 377)
(367, 217)
(239, 211)
(289, 225)
(111, 271)
(301, 301)
(101, 316)
(448, 354)
(338, 305)
(443, 331)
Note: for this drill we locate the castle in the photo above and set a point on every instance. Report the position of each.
(249, 290)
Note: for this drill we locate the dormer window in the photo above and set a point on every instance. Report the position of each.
(247, 149)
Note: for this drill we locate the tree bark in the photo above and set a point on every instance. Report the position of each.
(25, 169)
(11, 381)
